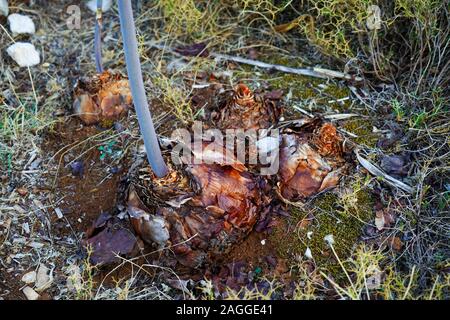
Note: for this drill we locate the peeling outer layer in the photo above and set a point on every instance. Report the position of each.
(311, 160)
(244, 110)
(220, 206)
(103, 99)
(107, 239)
(149, 227)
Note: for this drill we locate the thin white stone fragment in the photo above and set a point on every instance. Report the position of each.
(19, 23)
(29, 277)
(44, 278)
(4, 10)
(308, 253)
(26, 227)
(59, 213)
(24, 53)
(30, 293)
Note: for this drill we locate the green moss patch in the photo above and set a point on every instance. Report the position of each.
(341, 216)
(362, 128)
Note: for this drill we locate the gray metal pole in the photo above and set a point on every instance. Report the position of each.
(98, 37)
(137, 89)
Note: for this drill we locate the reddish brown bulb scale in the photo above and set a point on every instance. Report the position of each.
(103, 98)
(227, 192)
(328, 141)
(247, 111)
(220, 206)
(311, 160)
(109, 237)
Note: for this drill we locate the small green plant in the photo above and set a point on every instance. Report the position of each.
(351, 29)
(418, 120)
(181, 15)
(206, 289)
(176, 98)
(83, 282)
(254, 293)
(19, 124)
(108, 150)
(308, 284)
(398, 110)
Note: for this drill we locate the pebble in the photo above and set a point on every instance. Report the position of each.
(26, 227)
(308, 253)
(35, 164)
(39, 204)
(35, 245)
(29, 277)
(4, 10)
(30, 293)
(19, 23)
(92, 5)
(59, 213)
(24, 53)
(43, 278)
(22, 191)
(77, 168)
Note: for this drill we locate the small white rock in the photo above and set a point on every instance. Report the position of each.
(380, 221)
(35, 245)
(59, 213)
(374, 18)
(263, 242)
(19, 23)
(29, 277)
(24, 53)
(30, 293)
(44, 278)
(4, 10)
(374, 281)
(141, 149)
(308, 253)
(26, 227)
(92, 5)
(329, 239)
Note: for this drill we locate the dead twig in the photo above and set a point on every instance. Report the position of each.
(312, 71)
(379, 173)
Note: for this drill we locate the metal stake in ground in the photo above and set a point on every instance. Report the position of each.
(137, 89)
(98, 37)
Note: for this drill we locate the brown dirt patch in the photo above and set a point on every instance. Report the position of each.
(84, 196)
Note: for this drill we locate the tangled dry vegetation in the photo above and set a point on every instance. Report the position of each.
(366, 239)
